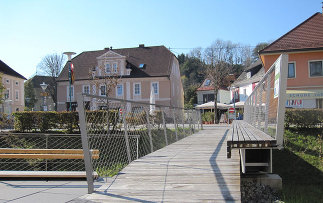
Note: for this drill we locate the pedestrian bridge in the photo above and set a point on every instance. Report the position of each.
(194, 169)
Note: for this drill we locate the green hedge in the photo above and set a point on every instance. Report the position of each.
(208, 116)
(304, 118)
(44, 121)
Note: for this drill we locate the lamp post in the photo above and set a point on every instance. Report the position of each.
(44, 86)
(69, 63)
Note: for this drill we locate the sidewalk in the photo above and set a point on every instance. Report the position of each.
(36, 190)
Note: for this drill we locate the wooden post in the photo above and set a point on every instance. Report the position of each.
(281, 100)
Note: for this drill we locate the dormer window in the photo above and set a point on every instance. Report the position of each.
(108, 68)
(142, 66)
(207, 82)
(248, 75)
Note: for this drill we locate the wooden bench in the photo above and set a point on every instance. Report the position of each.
(14, 153)
(244, 135)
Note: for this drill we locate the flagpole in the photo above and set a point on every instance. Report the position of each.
(69, 62)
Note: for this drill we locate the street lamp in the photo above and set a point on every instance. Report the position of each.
(69, 56)
(44, 86)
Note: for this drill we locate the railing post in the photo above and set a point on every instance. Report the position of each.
(190, 124)
(149, 132)
(126, 133)
(183, 122)
(267, 103)
(85, 144)
(200, 119)
(281, 100)
(175, 125)
(260, 108)
(164, 124)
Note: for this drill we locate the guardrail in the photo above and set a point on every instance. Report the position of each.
(127, 130)
(265, 107)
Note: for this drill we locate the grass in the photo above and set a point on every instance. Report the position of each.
(300, 165)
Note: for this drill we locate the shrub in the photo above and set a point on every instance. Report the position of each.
(303, 118)
(208, 116)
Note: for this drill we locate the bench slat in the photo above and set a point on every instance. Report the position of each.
(45, 156)
(44, 151)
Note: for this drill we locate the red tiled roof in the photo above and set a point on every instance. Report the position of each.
(306, 36)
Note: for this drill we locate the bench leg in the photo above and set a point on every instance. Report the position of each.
(228, 151)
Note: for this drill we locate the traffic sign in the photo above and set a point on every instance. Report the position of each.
(231, 110)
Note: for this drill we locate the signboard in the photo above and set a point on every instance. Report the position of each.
(294, 103)
(277, 75)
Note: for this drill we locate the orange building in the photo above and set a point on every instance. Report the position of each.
(304, 46)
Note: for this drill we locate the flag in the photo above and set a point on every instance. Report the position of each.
(72, 74)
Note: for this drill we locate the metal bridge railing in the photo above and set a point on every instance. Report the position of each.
(124, 130)
(265, 107)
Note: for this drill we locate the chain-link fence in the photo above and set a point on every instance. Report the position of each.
(123, 131)
(30, 141)
(265, 107)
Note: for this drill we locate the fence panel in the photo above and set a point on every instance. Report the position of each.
(265, 107)
(123, 131)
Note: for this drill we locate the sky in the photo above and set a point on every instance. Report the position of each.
(32, 29)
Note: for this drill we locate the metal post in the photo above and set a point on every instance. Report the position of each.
(85, 145)
(149, 132)
(126, 133)
(183, 122)
(281, 100)
(175, 125)
(260, 107)
(164, 123)
(200, 119)
(267, 103)
(70, 82)
(46, 148)
(137, 147)
(190, 117)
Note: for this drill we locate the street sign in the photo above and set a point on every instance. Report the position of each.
(231, 110)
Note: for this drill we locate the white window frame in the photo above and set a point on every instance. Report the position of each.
(106, 68)
(134, 88)
(117, 93)
(16, 95)
(309, 68)
(83, 89)
(115, 67)
(100, 93)
(68, 93)
(294, 62)
(157, 87)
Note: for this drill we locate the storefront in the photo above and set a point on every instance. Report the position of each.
(307, 99)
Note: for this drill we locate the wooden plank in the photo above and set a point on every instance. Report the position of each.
(194, 169)
(44, 151)
(45, 156)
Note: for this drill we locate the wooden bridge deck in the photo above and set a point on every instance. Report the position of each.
(194, 169)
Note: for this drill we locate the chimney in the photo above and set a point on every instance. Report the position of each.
(141, 45)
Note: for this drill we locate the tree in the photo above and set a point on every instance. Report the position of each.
(219, 59)
(52, 65)
(30, 96)
(259, 46)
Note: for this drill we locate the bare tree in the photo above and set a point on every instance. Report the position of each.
(219, 58)
(52, 65)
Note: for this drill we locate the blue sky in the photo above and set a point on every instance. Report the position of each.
(31, 29)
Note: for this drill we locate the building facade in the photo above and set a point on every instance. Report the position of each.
(304, 46)
(43, 98)
(205, 93)
(246, 82)
(130, 73)
(13, 93)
